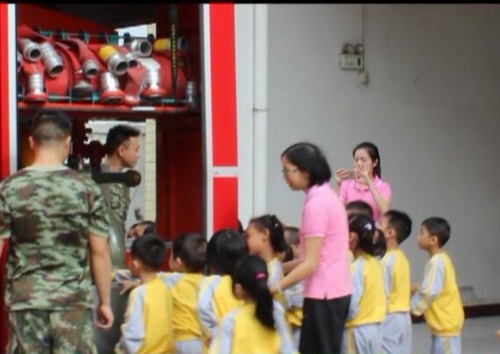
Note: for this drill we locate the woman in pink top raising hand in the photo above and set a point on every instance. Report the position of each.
(324, 245)
(365, 182)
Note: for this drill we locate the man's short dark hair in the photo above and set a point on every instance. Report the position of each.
(191, 248)
(50, 125)
(309, 158)
(438, 227)
(149, 250)
(400, 222)
(118, 135)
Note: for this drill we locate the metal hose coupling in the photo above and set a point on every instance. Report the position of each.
(150, 87)
(36, 88)
(90, 68)
(31, 50)
(115, 61)
(110, 89)
(52, 62)
(140, 47)
(129, 57)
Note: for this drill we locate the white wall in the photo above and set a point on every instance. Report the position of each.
(432, 107)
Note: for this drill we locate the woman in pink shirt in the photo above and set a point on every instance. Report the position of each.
(324, 245)
(365, 182)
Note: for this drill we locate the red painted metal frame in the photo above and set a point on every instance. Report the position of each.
(225, 202)
(224, 118)
(223, 71)
(4, 92)
(4, 149)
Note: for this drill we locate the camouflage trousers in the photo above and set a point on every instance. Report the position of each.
(51, 332)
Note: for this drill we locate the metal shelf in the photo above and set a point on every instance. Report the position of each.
(87, 110)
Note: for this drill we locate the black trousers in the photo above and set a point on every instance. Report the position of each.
(323, 325)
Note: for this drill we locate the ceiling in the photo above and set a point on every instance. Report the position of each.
(113, 15)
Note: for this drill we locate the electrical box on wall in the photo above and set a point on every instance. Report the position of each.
(351, 61)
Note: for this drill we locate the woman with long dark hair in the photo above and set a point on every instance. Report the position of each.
(365, 181)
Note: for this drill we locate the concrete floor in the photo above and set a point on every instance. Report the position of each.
(478, 336)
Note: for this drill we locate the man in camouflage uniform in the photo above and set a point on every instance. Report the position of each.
(122, 151)
(57, 224)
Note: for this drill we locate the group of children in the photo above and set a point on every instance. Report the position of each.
(383, 300)
(216, 297)
(208, 313)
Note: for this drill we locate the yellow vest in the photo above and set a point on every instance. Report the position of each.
(372, 305)
(248, 335)
(156, 308)
(445, 314)
(396, 263)
(185, 299)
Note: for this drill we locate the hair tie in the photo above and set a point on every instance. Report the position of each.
(260, 275)
(368, 227)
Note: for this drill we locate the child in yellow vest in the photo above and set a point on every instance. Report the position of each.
(438, 298)
(396, 328)
(215, 298)
(259, 326)
(265, 238)
(367, 308)
(357, 207)
(149, 304)
(187, 261)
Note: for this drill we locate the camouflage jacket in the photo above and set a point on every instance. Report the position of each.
(117, 197)
(48, 213)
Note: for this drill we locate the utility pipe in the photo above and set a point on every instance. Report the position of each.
(260, 110)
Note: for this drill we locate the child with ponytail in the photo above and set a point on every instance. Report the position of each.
(265, 237)
(259, 326)
(367, 309)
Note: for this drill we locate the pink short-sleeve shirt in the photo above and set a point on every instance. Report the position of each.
(324, 216)
(351, 190)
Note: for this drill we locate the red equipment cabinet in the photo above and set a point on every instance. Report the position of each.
(191, 146)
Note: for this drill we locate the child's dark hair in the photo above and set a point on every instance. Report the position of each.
(225, 248)
(372, 151)
(370, 239)
(438, 227)
(149, 250)
(191, 248)
(251, 274)
(400, 222)
(359, 207)
(293, 235)
(276, 230)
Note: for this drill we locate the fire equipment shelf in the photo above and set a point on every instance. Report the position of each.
(83, 109)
